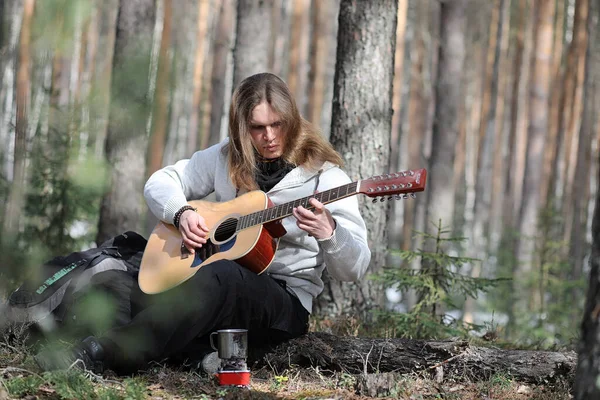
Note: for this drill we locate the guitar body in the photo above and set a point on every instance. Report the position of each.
(247, 229)
(164, 264)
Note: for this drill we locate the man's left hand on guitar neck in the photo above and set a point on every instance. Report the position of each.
(318, 223)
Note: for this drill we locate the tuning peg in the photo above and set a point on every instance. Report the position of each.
(382, 199)
(375, 200)
(413, 195)
(405, 196)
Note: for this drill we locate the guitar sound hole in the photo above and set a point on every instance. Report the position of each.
(226, 230)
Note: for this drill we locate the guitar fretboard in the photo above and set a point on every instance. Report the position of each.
(284, 210)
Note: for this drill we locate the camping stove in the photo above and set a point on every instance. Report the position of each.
(233, 351)
(234, 372)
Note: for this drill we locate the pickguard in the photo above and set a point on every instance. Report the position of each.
(199, 259)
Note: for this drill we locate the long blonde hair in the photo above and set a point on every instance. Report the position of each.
(303, 143)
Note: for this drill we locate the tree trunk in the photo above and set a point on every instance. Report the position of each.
(580, 40)
(516, 148)
(222, 69)
(397, 208)
(17, 190)
(552, 145)
(207, 80)
(201, 43)
(324, 30)
(490, 76)
(77, 62)
(103, 80)
(419, 99)
(576, 235)
(397, 85)
(416, 115)
(588, 368)
(279, 52)
(572, 74)
(161, 95)
(89, 63)
(122, 205)
(182, 52)
(465, 168)
(431, 70)
(330, 38)
(517, 82)
(3, 23)
(488, 138)
(501, 138)
(457, 359)
(250, 55)
(537, 131)
(362, 107)
(9, 47)
(6, 10)
(448, 96)
(299, 53)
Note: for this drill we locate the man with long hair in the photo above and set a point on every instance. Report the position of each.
(270, 148)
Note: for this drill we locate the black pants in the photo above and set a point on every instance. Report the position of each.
(220, 295)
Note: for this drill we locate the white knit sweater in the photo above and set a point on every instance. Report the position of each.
(299, 259)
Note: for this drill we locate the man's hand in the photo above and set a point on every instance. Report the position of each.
(318, 223)
(193, 230)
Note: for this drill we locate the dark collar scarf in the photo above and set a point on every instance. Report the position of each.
(270, 172)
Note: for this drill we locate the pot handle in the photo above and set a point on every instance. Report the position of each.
(211, 340)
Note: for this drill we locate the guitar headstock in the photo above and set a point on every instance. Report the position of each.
(397, 183)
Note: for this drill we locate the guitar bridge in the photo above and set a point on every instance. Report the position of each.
(185, 253)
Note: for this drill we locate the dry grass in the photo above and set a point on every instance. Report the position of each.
(162, 382)
(20, 378)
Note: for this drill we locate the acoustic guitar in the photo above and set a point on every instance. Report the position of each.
(247, 229)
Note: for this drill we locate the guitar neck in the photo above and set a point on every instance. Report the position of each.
(281, 211)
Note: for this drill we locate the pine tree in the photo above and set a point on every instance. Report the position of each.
(438, 283)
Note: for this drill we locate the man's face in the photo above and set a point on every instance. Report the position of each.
(266, 130)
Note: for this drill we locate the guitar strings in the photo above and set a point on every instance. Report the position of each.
(230, 226)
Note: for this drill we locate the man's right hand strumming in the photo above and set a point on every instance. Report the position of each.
(193, 230)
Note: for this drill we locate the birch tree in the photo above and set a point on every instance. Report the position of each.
(11, 26)
(13, 209)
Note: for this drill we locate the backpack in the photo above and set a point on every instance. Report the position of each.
(49, 299)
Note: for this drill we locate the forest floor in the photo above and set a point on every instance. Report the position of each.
(166, 383)
(21, 378)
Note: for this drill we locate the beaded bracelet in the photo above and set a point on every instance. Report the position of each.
(179, 213)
